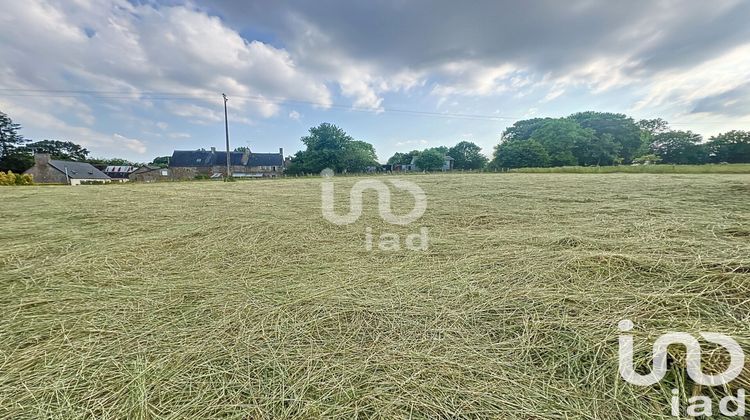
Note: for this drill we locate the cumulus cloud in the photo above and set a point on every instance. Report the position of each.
(174, 58)
(116, 46)
(496, 47)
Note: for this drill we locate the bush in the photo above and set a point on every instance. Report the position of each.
(9, 178)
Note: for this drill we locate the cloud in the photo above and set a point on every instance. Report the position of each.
(131, 144)
(497, 47)
(420, 142)
(294, 115)
(118, 46)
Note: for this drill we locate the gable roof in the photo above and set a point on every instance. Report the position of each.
(78, 170)
(190, 158)
(202, 158)
(265, 159)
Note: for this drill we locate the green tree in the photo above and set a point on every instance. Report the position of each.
(63, 150)
(358, 155)
(328, 146)
(10, 140)
(622, 129)
(17, 161)
(161, 161)
(399, 158)
(467, 155)
(561, 138)
(520, 154)
(524, 129)
(430, 160)
(13, 156)
(731, 147)
(679, 147)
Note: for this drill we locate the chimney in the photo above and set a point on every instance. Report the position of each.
(41, 158)
(213, 150)
(281, 152)
(245, 155)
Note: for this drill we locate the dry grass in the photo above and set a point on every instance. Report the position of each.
(206, 299)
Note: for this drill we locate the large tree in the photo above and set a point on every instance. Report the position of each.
(520, 154)
(622, 129)
(13, 156)
(467, 155)
(524, 129)
(63, 150)
(679, 147)
(328, 146)
(9, 137)
(562, 138)
(430, 160)
(731, 147)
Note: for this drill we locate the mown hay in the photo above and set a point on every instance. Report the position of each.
(239, 300)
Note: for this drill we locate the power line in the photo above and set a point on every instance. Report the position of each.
(169, 96)
(64, 93)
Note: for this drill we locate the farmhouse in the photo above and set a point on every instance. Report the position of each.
(50, 171)
(188, 164)
(150, 173)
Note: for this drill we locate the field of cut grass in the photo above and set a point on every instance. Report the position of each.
(239, 300)
(737, 168)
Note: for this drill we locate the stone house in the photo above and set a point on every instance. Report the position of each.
(189, 164)
(51, 171)
(150, 173)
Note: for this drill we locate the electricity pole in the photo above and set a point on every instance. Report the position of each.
(226, 130)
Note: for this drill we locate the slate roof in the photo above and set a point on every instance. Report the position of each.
(78, 170)
(182, 158)
(265, 159)
(201, 158)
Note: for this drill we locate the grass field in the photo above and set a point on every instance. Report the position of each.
(239, 300)
(735, 168)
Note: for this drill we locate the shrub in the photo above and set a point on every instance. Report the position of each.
(9, 178)
(25, 179)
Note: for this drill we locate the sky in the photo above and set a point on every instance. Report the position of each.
(139, 79)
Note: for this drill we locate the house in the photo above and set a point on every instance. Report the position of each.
(119, 173)
(150, 173)
(189, 164)
(50, 171)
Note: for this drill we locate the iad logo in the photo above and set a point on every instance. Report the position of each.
(387, 241)
(702, 404)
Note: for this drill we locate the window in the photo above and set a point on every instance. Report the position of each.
(164, 172)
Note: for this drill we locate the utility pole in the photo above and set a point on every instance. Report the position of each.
(226, 130)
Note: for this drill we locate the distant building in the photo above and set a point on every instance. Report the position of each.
(188, 164)
(150, 173)
(119, 173)
(50, 171)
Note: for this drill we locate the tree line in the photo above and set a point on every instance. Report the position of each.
(329, 146)
(602, 138)
(17, 152)
(581, 139)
